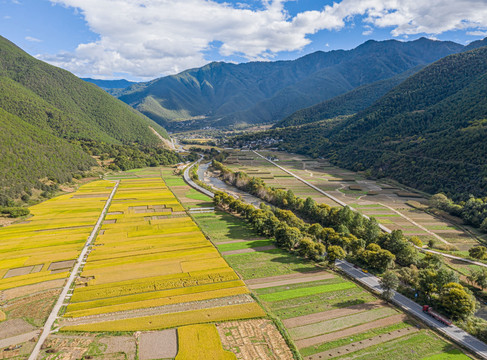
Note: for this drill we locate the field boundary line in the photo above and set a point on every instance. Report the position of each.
(415, 223)
(385, 229)
(74, 273)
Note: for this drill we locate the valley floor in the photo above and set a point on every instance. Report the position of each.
(152, 276)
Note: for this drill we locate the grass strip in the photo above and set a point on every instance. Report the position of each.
(449, 355)
(295, 293)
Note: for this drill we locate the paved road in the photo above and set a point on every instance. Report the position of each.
(191, 183)
(74, 272)
(458, 335)
(372, 282)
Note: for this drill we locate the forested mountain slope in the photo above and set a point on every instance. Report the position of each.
(222, 94)
(66, 105)
(429, 132)
(43, 107)
(346, 104)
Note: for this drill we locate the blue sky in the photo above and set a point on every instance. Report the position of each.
(144, 39)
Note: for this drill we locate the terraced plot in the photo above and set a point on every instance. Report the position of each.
(152, 268)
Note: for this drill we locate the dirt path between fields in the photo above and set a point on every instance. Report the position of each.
(270, 279)
(297, 280)
(416, 224)
(248, 250)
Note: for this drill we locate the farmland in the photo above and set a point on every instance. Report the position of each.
(152, 268)
(38, 253)
(390, 204)
(324, 314)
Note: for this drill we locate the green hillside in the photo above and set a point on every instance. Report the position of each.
(29, 154)
(75, 109)
(346, 104)
(428, 132)
(222, 95)
(43, 109)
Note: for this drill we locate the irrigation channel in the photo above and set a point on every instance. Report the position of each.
(461, 337)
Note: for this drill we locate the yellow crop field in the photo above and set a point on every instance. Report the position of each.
(201, 342)
(144, 260)
(55, 233)
(176, 299)
(155, 283)
(164, 321)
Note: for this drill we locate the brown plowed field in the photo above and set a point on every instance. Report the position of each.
(391, 320)
(332, 314)
(254, 340)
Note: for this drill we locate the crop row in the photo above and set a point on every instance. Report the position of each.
(56, 232)
(164, 321)
(141, 260)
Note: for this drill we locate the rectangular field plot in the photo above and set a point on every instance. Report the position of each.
(152, 272)
(45, 247)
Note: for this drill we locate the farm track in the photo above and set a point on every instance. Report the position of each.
(46, 330)
(249, 250)
(283, 281)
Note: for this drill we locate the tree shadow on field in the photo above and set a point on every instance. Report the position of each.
(283, 257)
(354, 302)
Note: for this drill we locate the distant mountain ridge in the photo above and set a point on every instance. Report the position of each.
(347, 104)
(355, 100)
(429, 132)
(222, 94)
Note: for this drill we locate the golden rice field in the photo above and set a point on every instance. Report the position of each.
(150, 254)
(201, 342)
(45, 246)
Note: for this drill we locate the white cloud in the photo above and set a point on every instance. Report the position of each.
(148, 38)
(477, 33)
(32, 39)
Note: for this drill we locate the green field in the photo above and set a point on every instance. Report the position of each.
(224, 227)
(244, 245)
(304, 298)
(306, 291)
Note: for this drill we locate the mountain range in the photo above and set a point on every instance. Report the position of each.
(223, 94)
(428, 132)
